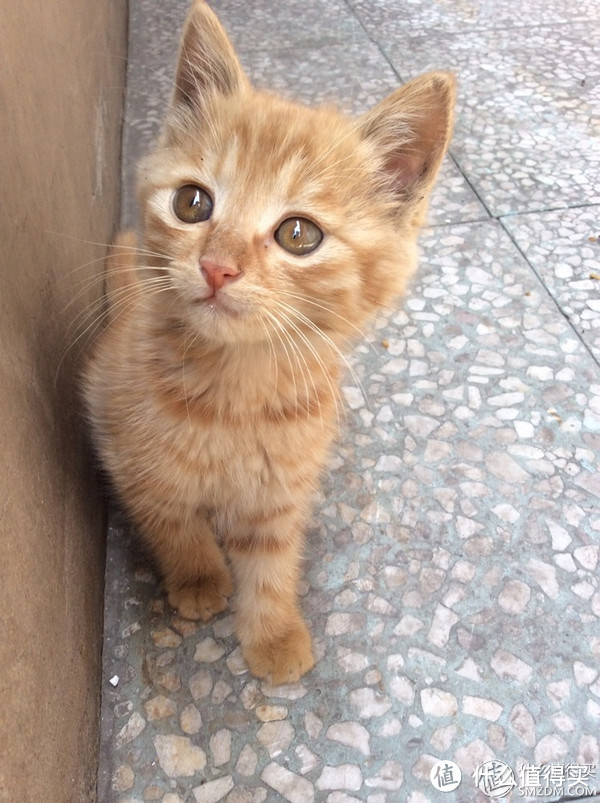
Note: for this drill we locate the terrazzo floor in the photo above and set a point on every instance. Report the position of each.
(451, 573)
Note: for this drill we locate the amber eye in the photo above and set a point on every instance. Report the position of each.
(298, 236)
(192, 204)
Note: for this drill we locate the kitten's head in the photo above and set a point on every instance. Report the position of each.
(276, 219)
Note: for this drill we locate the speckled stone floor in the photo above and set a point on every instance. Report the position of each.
(452, 565)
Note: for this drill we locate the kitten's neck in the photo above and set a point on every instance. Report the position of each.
(285, 379)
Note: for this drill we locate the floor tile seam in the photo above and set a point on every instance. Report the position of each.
(438, 30)
(380, 47)
(473, 221)
(575, 332)
(546, 210)
(467, 31)
(452, 155)
(341, 43)
(499, 222)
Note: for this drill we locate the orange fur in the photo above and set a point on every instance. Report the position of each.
(214, 414)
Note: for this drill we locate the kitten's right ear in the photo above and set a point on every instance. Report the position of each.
(207, 61)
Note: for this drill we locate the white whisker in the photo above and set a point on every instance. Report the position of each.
(312, 350)
(186, 348)
(280, 330)
(115, 294)
(330, 311)
(314, 328)
(272, 358)
(88, 284)
(125, 300)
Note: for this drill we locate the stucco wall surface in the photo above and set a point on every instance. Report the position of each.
(61, 88)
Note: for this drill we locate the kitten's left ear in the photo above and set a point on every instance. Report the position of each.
(412, 128)
(207, 61)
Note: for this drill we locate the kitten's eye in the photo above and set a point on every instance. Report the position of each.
(298, 236)
(192, 204)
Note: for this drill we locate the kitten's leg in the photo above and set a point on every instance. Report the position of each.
(195, 574)
(274, 637)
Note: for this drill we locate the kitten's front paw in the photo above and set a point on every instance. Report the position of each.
(282, 660)
(202, 600)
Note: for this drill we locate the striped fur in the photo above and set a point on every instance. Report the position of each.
(214, 418)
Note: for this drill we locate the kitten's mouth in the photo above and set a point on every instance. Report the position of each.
(219, 304)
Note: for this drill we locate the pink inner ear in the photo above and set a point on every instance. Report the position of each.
(405, 168)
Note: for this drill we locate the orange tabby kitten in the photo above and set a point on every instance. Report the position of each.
(270, 232)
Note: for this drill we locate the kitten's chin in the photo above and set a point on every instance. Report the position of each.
(220, 305)
(223, 320)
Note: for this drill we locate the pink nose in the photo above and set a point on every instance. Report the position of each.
(218, 273)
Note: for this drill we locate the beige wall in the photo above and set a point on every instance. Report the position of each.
(61, 82)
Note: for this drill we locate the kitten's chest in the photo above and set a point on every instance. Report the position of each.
(216, 462)
(224, 438)
(211, 433)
